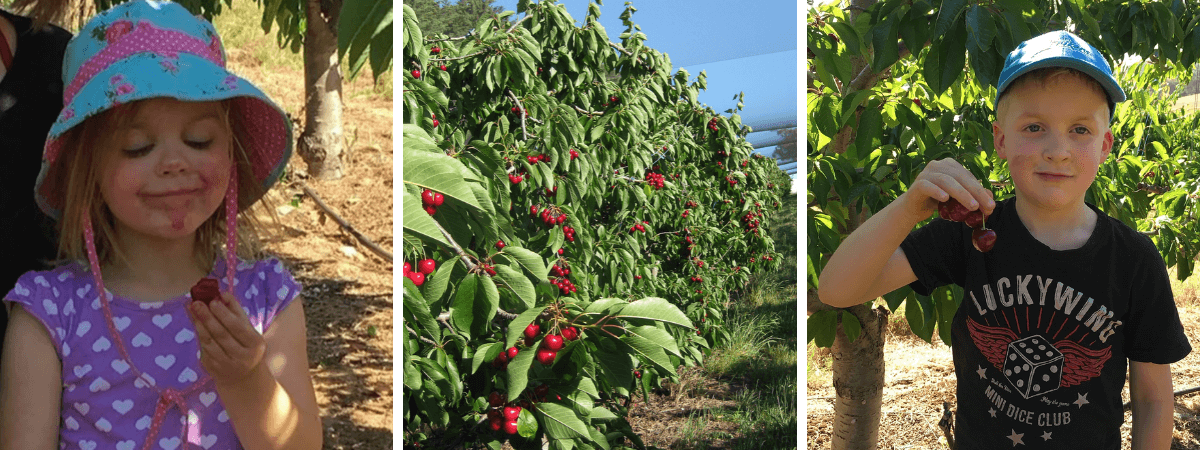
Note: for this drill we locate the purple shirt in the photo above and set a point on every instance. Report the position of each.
(104, 404)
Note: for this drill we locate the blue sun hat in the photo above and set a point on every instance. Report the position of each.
(1060, 49)
(146, 49)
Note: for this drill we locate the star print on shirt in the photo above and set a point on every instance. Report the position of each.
(1081, 401)
(992, 412)
(981, 372)
(1016, 438)
(1046, 436)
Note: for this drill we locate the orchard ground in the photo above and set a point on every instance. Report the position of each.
(920, 376)
(348, 289)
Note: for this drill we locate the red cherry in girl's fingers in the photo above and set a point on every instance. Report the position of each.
(974, 219)
(983, 239)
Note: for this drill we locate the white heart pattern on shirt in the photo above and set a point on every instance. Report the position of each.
(208, 440)
(142, 340)
(207, 398)
(61, 332)
(96, 303)
(184, 335)
(66, 349)
(71, 423)
(223, 416)
(41, 281)
(122, 406)
(120, 366)
(154, 305)
(144, 423)
(21, 290)
(83, 328)
(50, 307)
(122, 323)
(83, 408)
(278, 266)
(83, 290)
(282, 292)
(80, 371)
(55, 291)
(101, 344)
(164, 361)
(169, 444)
(187, 375)
(69, 308)
(98, 385)
(87, 445)
(252, 291)
(126, 445)
(103, 425)
(63, 276)
(139, 383)
(162, 320)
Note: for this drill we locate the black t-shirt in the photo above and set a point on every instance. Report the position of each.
(30, 100)
(1041, 337)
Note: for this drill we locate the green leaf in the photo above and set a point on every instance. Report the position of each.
(415, 306)
(462, 314)
(486, 302)
(527, 424)
(851, 325)
(485, 353)
(359, 23)
(418, 223)
(518, 373)
(530, 261)
(517, 326)
(561, 422)
(606, 306)
(655, 308)
(822, 328)
(870, 131)
(617, 367)
(849, 36)
(517, 283)
(947, 15)
(885, 42)
(439, 173)
(656, 336)
(649, 351)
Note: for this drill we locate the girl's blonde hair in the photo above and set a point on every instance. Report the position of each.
(81, 149)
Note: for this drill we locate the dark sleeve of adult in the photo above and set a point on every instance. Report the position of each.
(935, 253)
(30, 100)
(1154, 333)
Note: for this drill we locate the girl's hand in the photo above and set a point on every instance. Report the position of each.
(230, 348)
(945, 179)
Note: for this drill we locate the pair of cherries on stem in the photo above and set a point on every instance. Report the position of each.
(982, 237)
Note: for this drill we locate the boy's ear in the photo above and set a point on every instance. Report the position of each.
(998, 140)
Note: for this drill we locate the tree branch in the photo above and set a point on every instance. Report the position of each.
(459, 57)
(589, 113)
(520, 109)
(423, 338)
(386, 255)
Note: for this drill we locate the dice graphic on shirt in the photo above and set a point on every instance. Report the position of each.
(1033, 366)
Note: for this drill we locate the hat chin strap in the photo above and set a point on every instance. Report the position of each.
(170, 397)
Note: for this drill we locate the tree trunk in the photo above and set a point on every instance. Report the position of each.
(858, 381)
(321, 143)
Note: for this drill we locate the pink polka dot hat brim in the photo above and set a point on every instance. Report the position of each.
(142, 50)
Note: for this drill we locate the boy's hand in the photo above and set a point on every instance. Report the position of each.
(230, 348)
(942, 180)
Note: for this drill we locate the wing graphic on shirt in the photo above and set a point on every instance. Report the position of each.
(1081, 364)
(991, 341)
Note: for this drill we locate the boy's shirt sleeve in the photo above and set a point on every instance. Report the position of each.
(1154, 333)
(935, 253)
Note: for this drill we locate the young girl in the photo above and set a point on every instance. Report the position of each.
(156, 150)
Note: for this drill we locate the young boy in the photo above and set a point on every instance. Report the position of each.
(1051, 314)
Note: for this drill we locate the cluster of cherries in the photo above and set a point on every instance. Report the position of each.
(548, 217)
(516, 178)
(982, 237)
(697, 279)
(712, 124)
(548, 351)
(751, 221)
(732, 181)
(691, 204)
(686, 212)
(533, 159)
(639, 227)
(434, 116)
(655, 180)
(550, 192)
(559, 280)
(518, 111)
(503, 415)
(424, 268)
(430, 200)
(574, 154)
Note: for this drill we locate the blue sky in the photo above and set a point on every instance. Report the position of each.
(745, 46)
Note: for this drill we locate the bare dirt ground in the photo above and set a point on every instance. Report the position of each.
(920, 376)
(348, 289)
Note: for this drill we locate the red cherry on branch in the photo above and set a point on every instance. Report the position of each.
(426, 266)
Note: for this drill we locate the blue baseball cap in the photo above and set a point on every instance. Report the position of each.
(1060, 49)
